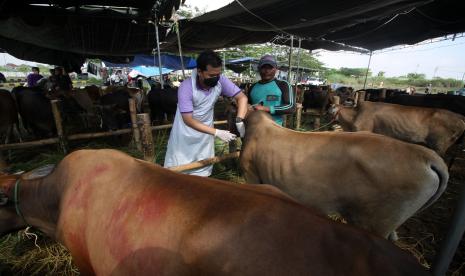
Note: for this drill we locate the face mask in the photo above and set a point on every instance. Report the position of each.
(211, 82)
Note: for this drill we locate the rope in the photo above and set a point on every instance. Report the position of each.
(30, 235)
(16, 200)
(261, 19)
(323, 126)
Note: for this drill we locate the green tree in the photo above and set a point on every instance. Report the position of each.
(355, 72)
(381, 74)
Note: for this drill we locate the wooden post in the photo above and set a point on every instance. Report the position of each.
(298, 116)
(382, 95)
(336, 100)
(361, 96)
(284, 120)
(59, 126)
(316, 123)
(147, 139)
(135, 129)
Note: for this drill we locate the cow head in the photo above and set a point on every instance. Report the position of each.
(334, 110)
(9, 220)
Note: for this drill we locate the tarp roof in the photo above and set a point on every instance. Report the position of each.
(66, 32)
(330, 24)
(167, 61)
(149, 71)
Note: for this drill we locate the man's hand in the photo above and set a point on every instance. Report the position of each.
(261, 107)
(241, 129)
(225, 135)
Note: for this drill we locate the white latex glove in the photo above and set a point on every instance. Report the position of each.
(241, 129)
(224, 135)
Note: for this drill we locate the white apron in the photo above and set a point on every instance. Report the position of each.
(187, 145)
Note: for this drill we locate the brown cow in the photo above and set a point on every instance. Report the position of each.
(373, 181)
(438, 129)
(122, 216)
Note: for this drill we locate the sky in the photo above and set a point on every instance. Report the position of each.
(440, 59)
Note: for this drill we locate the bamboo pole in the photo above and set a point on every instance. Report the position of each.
(368, 70)
(180, 48)
(316, 123)
(361, 96)
(298, 116)
(80, 136)
(205, 162)
(59, 126)
(31, 144)
(135, 129)
(285, 121)
(147, 138)
(290, 59)
(382, 95)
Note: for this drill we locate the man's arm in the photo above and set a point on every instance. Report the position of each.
(242, 101)
(196, 124)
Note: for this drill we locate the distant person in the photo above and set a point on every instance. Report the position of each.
(63, 81)
(2, 78)
(118, 78)
(34, 77)
(269, 94)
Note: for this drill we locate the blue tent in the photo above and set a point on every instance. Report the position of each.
(167, 61)
(149, 71)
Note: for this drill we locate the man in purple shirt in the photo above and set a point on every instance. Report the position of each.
(192, 135)
(33, 77)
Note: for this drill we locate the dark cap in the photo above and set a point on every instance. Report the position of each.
(267, 59)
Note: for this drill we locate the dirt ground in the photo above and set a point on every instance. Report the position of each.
(423, 233)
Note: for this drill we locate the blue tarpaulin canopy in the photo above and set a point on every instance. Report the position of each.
(167, 61)
(149, 71)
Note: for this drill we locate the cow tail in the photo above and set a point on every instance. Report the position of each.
(443, 174)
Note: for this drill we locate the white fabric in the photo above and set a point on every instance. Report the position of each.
(187, 145)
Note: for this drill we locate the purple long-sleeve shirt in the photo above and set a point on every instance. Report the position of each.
(32, 79)
(185, 93)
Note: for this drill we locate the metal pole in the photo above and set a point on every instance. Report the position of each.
(451, 242)
(368, 69)
(224, 61)
(290, 59)
(298, 62)
(158, 52)
(180, 49)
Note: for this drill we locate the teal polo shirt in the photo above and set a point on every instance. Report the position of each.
(275, 94)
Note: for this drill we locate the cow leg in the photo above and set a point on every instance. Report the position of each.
(8, 133)
(17, 133)
(249, 173)
(393, 236)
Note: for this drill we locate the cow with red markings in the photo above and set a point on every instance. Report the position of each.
(121, 216)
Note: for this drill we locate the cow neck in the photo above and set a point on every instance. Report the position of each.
(16, 201)
(38, 204)
(346, 116)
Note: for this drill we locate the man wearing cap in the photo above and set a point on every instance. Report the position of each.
(33, 77)
(269, 94)
(192, 135)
